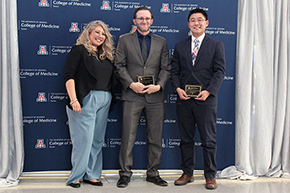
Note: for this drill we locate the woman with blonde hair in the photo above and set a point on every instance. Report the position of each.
(89, 80)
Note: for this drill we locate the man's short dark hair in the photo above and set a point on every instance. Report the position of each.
(197, 10)
(142, 8)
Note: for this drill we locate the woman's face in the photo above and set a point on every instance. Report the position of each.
(97, 36)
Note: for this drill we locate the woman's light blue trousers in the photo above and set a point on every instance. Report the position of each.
(87, 132)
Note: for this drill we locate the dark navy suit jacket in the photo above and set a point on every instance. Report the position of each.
(208, 70)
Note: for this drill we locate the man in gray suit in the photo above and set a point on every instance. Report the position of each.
(143, 67)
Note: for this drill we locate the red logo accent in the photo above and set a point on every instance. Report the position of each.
(42, 51)
(74, 28)
(165, 8)
(40, 144)
(106, 5)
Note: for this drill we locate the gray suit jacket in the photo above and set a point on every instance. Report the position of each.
(129, 65)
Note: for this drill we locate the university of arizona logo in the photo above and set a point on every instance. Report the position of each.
(74, 27)
(42, 50)
(133, 28)
(43, 3)
(106, 5)
(40, 144)
(41, 97)
(165, 8)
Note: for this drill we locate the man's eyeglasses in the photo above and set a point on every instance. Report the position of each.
(199, 20)
(144, 19)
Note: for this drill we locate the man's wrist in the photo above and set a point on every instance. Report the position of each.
(159, 87)
(130, 85)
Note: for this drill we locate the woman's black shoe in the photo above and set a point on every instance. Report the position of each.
(93, 183)
(75, 185)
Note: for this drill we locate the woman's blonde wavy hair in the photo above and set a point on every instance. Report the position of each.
(106, 49)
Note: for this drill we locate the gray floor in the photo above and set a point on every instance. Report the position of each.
(54, 182)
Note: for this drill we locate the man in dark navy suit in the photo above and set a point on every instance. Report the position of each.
(198, 63)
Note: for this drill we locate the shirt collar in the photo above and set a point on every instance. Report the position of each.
(200, 38)
(140, 35)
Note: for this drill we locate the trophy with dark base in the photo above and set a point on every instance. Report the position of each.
(146, 80)
(192, 90)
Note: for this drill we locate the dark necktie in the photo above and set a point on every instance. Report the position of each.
(144, 49)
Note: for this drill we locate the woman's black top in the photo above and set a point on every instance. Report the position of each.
(88, 72)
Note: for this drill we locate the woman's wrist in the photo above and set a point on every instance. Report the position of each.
(72, 101)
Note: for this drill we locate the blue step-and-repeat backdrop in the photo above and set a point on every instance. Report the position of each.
(49, 28)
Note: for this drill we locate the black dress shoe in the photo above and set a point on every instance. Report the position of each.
(93, 183)
(157, 180)
(123, 182)
(75, 185)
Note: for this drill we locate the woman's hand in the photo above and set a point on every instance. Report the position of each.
(76, 107)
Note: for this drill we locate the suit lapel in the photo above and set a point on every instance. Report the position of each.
(188, 51)
(90, 63)
(152, 46)
(201, 49)
(136, 44)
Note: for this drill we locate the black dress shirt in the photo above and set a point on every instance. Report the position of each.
(147, 40)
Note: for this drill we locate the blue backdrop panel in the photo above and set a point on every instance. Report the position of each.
(48, 29)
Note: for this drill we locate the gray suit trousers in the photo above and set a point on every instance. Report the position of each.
(154, 114)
